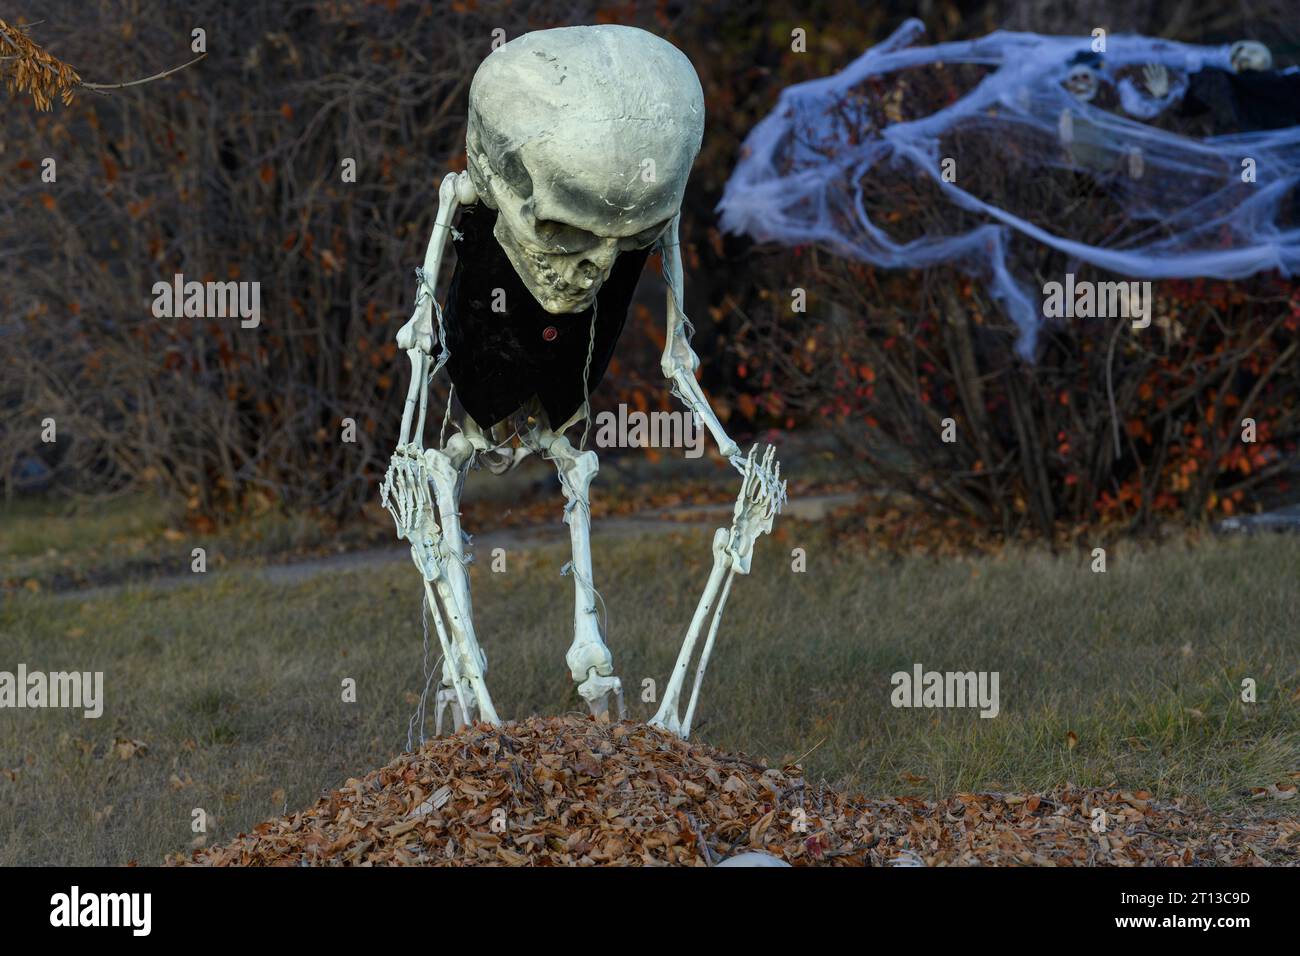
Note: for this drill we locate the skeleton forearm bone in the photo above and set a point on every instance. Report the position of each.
(667, 716)
(761, 497)
(405, 493)
(679, 361)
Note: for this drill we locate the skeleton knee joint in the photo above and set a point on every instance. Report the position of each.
(583, 658)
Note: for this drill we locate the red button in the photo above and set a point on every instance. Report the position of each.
(549, 333)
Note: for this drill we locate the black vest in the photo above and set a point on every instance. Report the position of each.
(499, 360)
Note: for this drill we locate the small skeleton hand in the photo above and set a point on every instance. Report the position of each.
(1156, 78)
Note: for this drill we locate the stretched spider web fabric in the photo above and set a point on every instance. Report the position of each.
(813, 170)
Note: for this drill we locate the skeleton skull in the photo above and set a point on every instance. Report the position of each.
(1249, 55)
(582, 139)
(1082, 83)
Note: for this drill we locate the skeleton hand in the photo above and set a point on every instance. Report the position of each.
(1156, 78)
(762, 495)
(405, 493)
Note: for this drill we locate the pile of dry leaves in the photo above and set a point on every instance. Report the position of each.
(572, 791)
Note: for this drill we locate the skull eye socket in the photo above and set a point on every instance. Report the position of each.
(646, 236)
(571, 239)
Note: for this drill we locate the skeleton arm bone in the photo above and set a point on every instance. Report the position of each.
(679, 361)
(406, 487)
(416, 336)
(668, 717)
(761, 496)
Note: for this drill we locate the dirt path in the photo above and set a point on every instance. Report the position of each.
(658, 521)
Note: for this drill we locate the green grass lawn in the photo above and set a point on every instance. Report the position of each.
(1131, 678)
(48, 543)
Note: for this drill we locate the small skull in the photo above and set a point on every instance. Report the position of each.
(1249, 55)
(582, 139)
(1082, 83)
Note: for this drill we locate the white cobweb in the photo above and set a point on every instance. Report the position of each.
(1188, 211)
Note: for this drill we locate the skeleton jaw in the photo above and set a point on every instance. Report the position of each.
(546, 283)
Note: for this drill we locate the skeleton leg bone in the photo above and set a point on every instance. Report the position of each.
(448, 468)
(708, 650)
(589, 660)
(405, 492)
(466, 663)
(451, 692)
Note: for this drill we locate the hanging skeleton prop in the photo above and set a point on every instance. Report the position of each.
(801, 176)
(579, 144)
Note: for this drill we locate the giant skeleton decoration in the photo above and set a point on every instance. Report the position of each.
(579, 144)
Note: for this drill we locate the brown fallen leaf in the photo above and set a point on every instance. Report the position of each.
(126, 748)
(516, 796)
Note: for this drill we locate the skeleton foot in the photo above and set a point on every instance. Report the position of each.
(599, 692)
(447, 699)
(762, 493)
